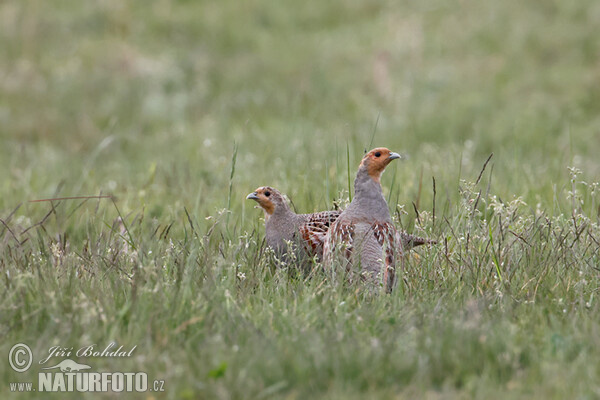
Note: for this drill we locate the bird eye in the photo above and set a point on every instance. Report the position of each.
(267, 193)
(378, 154)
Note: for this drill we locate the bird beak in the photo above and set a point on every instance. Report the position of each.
(393, 156)
(252, 196)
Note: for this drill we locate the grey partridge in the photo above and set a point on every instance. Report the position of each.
(363, 238)
(282, 225)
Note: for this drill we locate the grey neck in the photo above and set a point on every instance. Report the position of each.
(282, 225)
(368, 197)
(282, 210)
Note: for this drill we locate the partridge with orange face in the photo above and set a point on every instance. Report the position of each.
(282, 225)
(363, 238)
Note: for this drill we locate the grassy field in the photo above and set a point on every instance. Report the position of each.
(178, 109)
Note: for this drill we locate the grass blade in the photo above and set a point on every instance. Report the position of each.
(231, 175)
(348, 171)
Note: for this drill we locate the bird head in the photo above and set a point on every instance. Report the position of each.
(267, 198)
(376, 160)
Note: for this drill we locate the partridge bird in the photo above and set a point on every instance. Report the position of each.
(364, 237)
(282, 225)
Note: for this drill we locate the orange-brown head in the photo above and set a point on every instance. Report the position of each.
(268, 199)
(376, 160)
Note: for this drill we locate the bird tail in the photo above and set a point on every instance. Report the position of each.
(409, 241)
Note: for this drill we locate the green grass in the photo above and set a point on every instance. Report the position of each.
(179, 109)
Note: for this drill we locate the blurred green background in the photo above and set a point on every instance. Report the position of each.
(145, 99)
